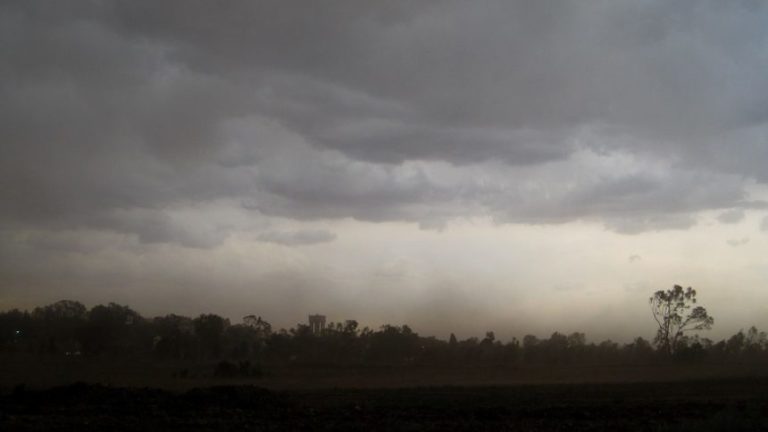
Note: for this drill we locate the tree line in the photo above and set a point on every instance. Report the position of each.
(69, 329)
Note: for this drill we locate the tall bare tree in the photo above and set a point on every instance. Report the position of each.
(675, 314)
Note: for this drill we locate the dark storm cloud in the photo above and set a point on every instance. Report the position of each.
(297, 238)
(115, 113)
(631, 203)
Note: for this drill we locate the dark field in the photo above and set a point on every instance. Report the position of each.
(470, 403)
(709, 405)
(181, 376)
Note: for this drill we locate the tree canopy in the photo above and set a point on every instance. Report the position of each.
(675, 315)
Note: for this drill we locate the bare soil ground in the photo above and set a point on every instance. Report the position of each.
(89, 395)
(723, 405)
(181, 376)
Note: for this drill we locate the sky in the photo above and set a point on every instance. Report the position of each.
(515, 166)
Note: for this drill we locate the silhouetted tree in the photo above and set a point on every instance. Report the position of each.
(672, 311)
(350, 327)
(640, 350)
(118, 331)
(262, 328)
(114, 329)
(63, 309)
(14, 329)
(259, 331)
(531, 348)
(173, 337)
(393, 344)
(58, 324)
(209, 329)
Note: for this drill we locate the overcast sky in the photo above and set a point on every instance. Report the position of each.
(517, 166)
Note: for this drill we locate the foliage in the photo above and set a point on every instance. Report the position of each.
(674, 313)
(67, 329)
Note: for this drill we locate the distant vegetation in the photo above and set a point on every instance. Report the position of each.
(68, 328)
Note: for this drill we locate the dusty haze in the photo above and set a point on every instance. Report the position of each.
(522, 167)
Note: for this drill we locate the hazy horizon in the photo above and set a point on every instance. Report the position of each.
(521, 167)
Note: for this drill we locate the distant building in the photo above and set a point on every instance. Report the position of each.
(317, 323)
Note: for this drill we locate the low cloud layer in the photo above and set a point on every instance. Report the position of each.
(731, 216)
(114, 112)
(297, 238)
